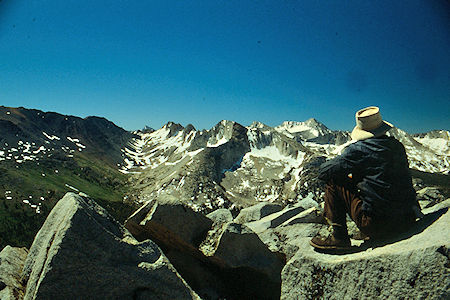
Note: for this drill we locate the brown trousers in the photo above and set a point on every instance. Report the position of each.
(344, 199)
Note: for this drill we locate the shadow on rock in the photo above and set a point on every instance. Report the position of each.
(240, 267)
(351, 250)
(417, 228)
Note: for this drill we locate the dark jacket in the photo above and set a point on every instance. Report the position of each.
(379, 168)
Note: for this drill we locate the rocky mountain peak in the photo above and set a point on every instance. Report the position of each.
(444, 134)
(312, 121)
(258, 125)
(172, 128)
(147, 129)
(294, 126)
(406, 139)
(436, 140)
(307, 130)
(224, 131)
(227, 126)
(223, 125)
(189, 128)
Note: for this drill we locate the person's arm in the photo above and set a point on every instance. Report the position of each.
(347, 165)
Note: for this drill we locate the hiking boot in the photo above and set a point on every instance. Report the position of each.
(360, 236)
(331, 242)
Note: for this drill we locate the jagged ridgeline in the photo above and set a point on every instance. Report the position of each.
(43, 155)
(232, 166)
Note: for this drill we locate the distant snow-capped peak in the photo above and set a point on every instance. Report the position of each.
(426, 152)
(308, 129)
(436, 140)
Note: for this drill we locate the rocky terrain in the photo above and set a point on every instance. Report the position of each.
(175, 213)
(168, 251)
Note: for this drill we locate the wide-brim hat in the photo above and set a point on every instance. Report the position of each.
(369, 124)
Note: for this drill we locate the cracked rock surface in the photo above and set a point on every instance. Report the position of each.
(415, 265)
(81, 252)
(11, 264)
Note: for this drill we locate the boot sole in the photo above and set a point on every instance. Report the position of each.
(335, 247)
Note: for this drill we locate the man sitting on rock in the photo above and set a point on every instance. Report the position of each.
(371, 182)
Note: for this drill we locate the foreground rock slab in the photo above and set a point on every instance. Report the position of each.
(415, 266)
(238, 265)
(11, 264)
(169, 222)
(240, 247)
(220, 216)
(275, 219)
(257, 212)
(81, 252)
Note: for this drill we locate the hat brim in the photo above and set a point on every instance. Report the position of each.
(359, 134)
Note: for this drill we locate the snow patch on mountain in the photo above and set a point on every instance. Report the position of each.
(438, 141)
(422, 157)
(307, 130)
(219, 142)
(152, 149)
(272, 153)
(51, 137)
(24, 151)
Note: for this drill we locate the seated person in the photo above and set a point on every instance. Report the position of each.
(371, 182)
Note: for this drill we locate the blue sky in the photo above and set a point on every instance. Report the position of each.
(148, 62)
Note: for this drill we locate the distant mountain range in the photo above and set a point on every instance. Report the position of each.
(35, 131)
(45, 154)
(233, 165)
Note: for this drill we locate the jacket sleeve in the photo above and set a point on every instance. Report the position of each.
(351, 161)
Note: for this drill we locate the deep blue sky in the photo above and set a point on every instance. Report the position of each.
(148, 62)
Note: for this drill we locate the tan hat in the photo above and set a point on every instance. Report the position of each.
(369, 124)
